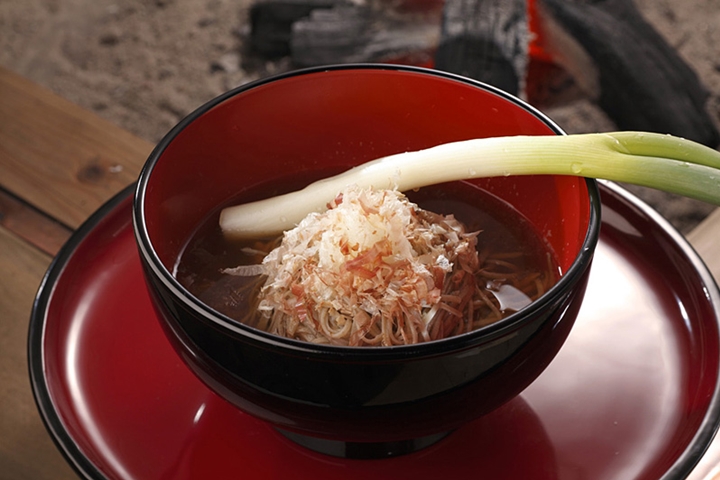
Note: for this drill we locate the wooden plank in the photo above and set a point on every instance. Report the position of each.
(26, 449)
(68, 180)
(705, 238)
(32, 225)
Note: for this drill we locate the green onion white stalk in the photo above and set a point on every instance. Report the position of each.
(663, 162)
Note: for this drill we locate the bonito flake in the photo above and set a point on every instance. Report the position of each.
(368, 271)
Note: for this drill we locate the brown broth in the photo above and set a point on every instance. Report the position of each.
(503, 230)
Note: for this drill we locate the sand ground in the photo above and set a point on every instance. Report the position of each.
(144, 64)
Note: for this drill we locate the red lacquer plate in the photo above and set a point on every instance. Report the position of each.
(632, 394)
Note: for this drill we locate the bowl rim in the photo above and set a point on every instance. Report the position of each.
(378, 353)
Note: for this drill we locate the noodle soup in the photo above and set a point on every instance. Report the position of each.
(281, 133)
(514, 268)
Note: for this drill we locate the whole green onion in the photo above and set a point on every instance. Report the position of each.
(663, 162)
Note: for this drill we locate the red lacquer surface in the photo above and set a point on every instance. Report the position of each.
(623, 399)
(309, 126)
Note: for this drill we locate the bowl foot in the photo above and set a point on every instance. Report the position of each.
(363, 450)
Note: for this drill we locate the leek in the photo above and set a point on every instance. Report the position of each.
(663, 162)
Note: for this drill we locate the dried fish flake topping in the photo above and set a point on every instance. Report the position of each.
(368, 271)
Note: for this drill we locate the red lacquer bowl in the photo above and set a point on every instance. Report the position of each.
(301, 126)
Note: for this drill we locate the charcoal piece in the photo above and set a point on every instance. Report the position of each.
(486, 40)
(479, 58)
(271, 23)
(643, 83)
(357, 33)
(330, 36)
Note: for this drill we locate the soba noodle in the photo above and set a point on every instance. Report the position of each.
(376, 270)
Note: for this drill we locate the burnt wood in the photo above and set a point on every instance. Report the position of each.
(486, 40)
(639, 80)
(644, 83)
(354, 33)
(271, 23)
